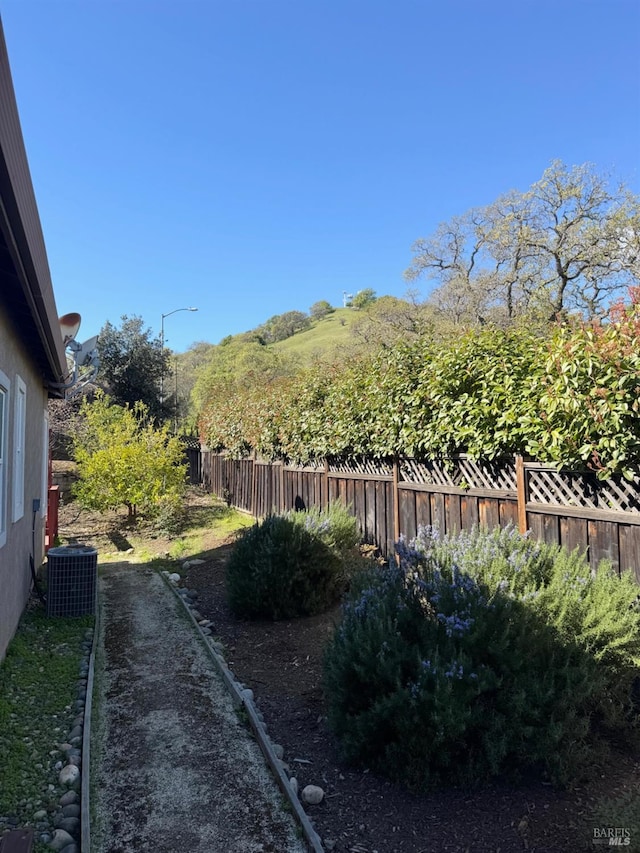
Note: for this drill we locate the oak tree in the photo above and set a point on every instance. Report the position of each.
(569, 244)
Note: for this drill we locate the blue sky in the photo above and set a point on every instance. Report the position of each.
(251, 157)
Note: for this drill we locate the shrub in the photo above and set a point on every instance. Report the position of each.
(335, 526)
(481, 654)
(278, 570)
(169, 515)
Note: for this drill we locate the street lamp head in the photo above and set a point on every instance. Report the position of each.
(175, 311)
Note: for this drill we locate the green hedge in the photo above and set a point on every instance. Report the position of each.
(572, 398)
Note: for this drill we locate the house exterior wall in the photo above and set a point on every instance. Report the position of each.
(17, 364)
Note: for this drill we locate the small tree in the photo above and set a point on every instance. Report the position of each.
(124, 460)
(321, 309)
(132, 364)
(363, 299)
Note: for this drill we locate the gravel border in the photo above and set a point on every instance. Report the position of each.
(243, 697)
(85, 782)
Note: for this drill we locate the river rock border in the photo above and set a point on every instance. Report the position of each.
(66, 830)
(244, 697)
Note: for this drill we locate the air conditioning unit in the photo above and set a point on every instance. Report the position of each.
(71, 580)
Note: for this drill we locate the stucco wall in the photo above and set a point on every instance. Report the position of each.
(15, 575)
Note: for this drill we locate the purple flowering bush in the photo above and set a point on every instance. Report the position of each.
(481, 654)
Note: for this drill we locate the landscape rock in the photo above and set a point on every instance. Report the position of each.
(61, 838)
(69, 798)
(312, 795)
(69, 775)
(70, 825)
(189, 563)
(71, 810)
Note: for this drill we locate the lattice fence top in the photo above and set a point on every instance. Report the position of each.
(460, 472)
(190, 442)
(370, 467)
(580, 489)
(316, 465)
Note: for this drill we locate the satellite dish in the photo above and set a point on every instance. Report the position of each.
(69, 325)
(87, 352)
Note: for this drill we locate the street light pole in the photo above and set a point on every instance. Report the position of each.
(168, 314)
(175, 407)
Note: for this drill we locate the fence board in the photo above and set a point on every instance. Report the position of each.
(488, 513)
(603, 542)
(370, 512)
(451, 497)
(351, 493)
(453, 513)
(381, 516)
(360, 507)
(438, 515)
(508, 511)
(629, 538)
(389, 517)
(408, 514)
(469, 515)
(573, 533)
(423, 509)
(551, 528)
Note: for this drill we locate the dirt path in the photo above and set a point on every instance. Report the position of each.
(173, 768)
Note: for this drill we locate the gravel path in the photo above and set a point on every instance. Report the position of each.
(173, 768)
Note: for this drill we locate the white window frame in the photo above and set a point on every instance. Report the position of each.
(45, 465)
(19, 449)
(5, 392)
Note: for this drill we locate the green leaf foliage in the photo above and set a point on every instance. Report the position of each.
(279, 570)
(295, 564)
(123, 460)
(570, 397)
(132, 365)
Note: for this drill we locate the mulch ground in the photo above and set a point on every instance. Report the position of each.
(362, 813)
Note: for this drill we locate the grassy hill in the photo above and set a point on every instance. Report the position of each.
(327, 335)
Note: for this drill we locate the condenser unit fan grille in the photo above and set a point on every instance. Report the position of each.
(71, 580)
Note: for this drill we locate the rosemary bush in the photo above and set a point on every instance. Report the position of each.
(278, 569)
(335, 526)
(482, 654)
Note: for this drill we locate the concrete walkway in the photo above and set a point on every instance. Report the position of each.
(173, 768)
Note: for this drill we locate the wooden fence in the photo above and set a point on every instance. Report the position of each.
(395, 497)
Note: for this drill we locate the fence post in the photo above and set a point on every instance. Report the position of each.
(254, 486)
(281, 474)
(521, 486)
(396, 499)
(325, 484)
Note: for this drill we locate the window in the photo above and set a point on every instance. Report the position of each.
(45, 466)
(19, 432)
(4, 420)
